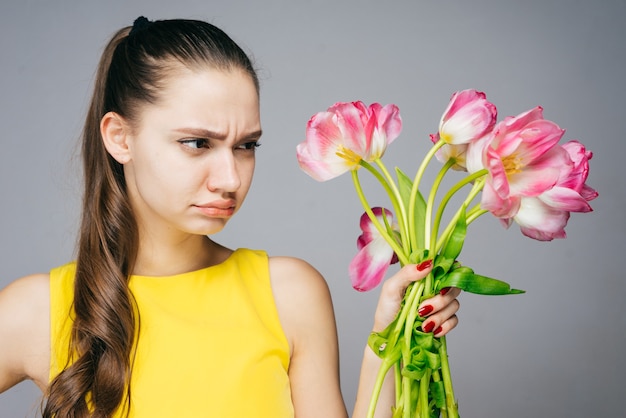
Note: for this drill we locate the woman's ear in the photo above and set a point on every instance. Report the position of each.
(115, 131)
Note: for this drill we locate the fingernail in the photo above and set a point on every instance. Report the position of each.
(424, 265)
(428, 327)
(425, 310)
(444, 291)
(438, 330)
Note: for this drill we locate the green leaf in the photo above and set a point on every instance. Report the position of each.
(465, 278)
(405, 184)
(380, 345)
(418, 255)
(438, 393)
(397, 412)
(425, 339)
(423, 355)
(454, 243)
(420, 360)
(441, 266)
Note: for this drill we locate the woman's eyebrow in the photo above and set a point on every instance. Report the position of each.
(205, 133)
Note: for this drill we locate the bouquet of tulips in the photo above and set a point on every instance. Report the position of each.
(514, 169)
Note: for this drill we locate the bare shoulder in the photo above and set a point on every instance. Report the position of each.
(25, 330)
(302, 297)
(306, 313)
(25, 301)
(297, 277)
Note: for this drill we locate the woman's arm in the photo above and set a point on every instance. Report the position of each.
(306, 313)
(25, 331)
(441, 318)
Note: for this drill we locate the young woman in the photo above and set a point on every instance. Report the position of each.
(154, 318)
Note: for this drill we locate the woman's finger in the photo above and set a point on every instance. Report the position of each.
(393, 290)
(443, 320)
(446, 327)
(438, 302)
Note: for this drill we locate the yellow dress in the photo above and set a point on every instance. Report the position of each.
(210, 342)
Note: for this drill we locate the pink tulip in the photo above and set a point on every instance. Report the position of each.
(544, 217)
(449, 152)
(523, 160)
(538, 220)
(338, 139)
(369, 266)
(469, 116)
(576, 177)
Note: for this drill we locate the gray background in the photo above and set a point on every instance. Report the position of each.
(556, 351)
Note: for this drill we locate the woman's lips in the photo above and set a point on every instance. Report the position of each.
(222, 208)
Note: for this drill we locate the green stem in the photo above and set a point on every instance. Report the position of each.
(430, 203)
(380, 379)
(410, 321)
(405, 316)
(424, 410)
(411, 314)
(396, 201)
(475, 213)
(444, 202)
(415, 190)
(471, 215)
(398, 380)
(451, 407)
(437, 378)
(414, 293)
(383, 231)
(476, 188)
(406, 395)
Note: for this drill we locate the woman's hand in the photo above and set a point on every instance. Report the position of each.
(440, 309)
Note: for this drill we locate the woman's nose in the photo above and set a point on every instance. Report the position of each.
(223, 174)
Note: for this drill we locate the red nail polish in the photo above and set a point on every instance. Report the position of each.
(428, 327)
(444, 291)
(425, 310)
(424, 265)
(438, 330)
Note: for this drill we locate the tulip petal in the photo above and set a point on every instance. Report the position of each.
(321, 169)
(565, 199)
(338, 139)
(530, 183)
(537, 138)
(350, 119)
(541, 222)
(468, 117)
(499, 180)
(499, 207)
(367, 269)
(475, 155)
(369, 266)
(386, 128)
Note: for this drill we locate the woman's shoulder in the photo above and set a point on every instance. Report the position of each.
(296, 275)
(26, 295)
(306, 313)
(25, 328)
(302, 298)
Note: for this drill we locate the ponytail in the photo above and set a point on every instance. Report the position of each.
(133, 68)
(104, 324)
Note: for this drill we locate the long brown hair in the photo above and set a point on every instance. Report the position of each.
(134, 66)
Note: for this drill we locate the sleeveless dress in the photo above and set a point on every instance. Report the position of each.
(210, 341)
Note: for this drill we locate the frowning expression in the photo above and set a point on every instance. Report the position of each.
(192, 154)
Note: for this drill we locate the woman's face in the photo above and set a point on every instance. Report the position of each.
(192, 153)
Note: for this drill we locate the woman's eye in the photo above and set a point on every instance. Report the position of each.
(249, 145)
(195, 143)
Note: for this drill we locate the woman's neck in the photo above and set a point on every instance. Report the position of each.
(156, 258)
